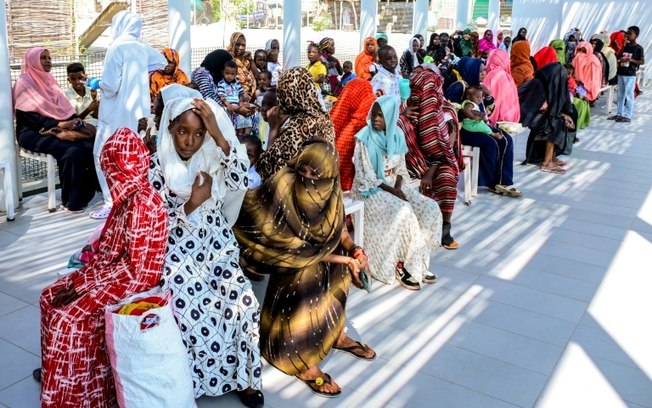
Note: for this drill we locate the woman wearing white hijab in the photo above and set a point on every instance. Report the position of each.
(411, 57)
(125, 88)
(196, 165)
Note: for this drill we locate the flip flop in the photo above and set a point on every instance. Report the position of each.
(508, 190)
(560, 162)
(554, 169)
(318, 382)
(357, 346)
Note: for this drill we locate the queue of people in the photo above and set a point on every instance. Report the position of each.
(240, 171)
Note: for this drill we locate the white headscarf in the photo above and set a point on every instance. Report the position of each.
(415, 60)
(126, 25)
(173, 91)
(180, 175)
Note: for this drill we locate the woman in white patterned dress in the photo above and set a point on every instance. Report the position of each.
(402, 227)
(196, 164)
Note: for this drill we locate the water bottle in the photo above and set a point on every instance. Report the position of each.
(94, 83)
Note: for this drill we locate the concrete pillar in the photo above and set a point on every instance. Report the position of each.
(368, 13)
(291, 33)
(420, 18)
(179, 31)
(493, 22)
(7, 144)
(462, 15)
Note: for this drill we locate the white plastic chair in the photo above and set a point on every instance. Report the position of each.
(8, 187)
(356, 209)
(471, 156)
(51, 174)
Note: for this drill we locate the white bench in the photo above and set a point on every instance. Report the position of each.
(51, 171)
(355, 208)
(471, 157)
(610, 89)
(8, 187)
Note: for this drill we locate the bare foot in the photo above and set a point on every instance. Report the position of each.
(326, 387)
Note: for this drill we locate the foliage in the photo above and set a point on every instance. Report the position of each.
(217, 9)
(322, 22)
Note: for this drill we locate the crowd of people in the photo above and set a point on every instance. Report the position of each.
(238, 169)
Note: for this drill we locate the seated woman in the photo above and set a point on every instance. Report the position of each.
(546, 109)
(292, 228)
(349, 116)
(544, 56)
(434, 150)
(75, 368)
(486, 44)
(298, 118)
(521, 65)
(46, 123)
(411, 58)
(171, 74)
(588, 70)
(400, 245)
(496, 153)
(196, 164)
(366, 59)
(500, 83)
(580, 101)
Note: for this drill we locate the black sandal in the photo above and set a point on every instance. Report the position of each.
(252, 400)
(318, 382)
(358, 346)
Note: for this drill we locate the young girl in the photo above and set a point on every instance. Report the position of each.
(274, 66)
(316, 67)
(196, 167)
(578, 96)
(399, 246)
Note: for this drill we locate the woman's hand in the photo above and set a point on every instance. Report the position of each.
(354, 268)
(398, 193)
(70, 124)
(425, 187)
(142, 124)
(245, 110)
(65, 297)
(412, 113)
(569, 121)
(207, 116)
(485, 90)
(362, 259)
(201, 189)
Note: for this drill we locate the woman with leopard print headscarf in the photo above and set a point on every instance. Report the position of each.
(299, 117)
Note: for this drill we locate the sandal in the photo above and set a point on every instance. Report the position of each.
(315, 384)
(552, 168)
(405, 279)
(559, 162)
(358, 346)
(510, 191)
(251, 400)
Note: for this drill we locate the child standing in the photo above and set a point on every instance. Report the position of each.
(254, 149)
(348, 74)
(274, 66)
(474, 115)
(260, 60)
(386, 80)
(82, 98)
(316, 67)
(231, 95)
(630, 59)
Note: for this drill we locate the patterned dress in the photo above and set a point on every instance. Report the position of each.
(213, 300)
(410, 235)
(75, 369)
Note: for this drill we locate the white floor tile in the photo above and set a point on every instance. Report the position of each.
(17, 364)
(24, 394)
(9, 304)
(22, 328)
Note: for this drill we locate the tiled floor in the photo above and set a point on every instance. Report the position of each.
(546, 303)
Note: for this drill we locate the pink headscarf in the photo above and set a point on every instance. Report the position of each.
(487, 45)
(588, 69)
(501, 84)
(38, 91)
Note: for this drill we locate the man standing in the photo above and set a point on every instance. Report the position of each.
(630, 59)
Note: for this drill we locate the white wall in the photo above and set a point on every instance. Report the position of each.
(550, 19)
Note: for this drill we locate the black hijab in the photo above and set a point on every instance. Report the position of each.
(214, 63)
(549, 85)
(520, 37)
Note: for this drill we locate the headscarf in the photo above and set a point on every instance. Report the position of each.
(499, 40)
(297, 98)
(125, 163)
(519, 37)
(325, 44)
(415, 58)
(560, 49)
(349, 115)
(466, 47)
(173, 91)
(180, 176)
(291, 221)
(38, 91)
(571, 45)
(268, 44)
(365, 59)
(214, 63)
(617, 42)
(501, 84)
(545, 56)
(388, 142)
(486, 45)
(158, 79)
(588, 70)
(522, 70)
(599, 45)
(126, 25)
(475, 40)
(469, 69)
(245, 77)
(428, 140)
(381, 35)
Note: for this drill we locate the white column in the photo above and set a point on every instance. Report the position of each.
(7, 146)
(420, 18)
(462, 15)
(179, 31)
(291, 33)
(368, 12)
(494, 16)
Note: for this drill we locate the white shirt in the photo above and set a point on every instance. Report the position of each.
(80, 103)
(386, 82)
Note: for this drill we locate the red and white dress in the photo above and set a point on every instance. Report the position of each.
(75, 367)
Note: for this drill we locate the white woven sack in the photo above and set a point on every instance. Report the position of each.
(150, 366)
